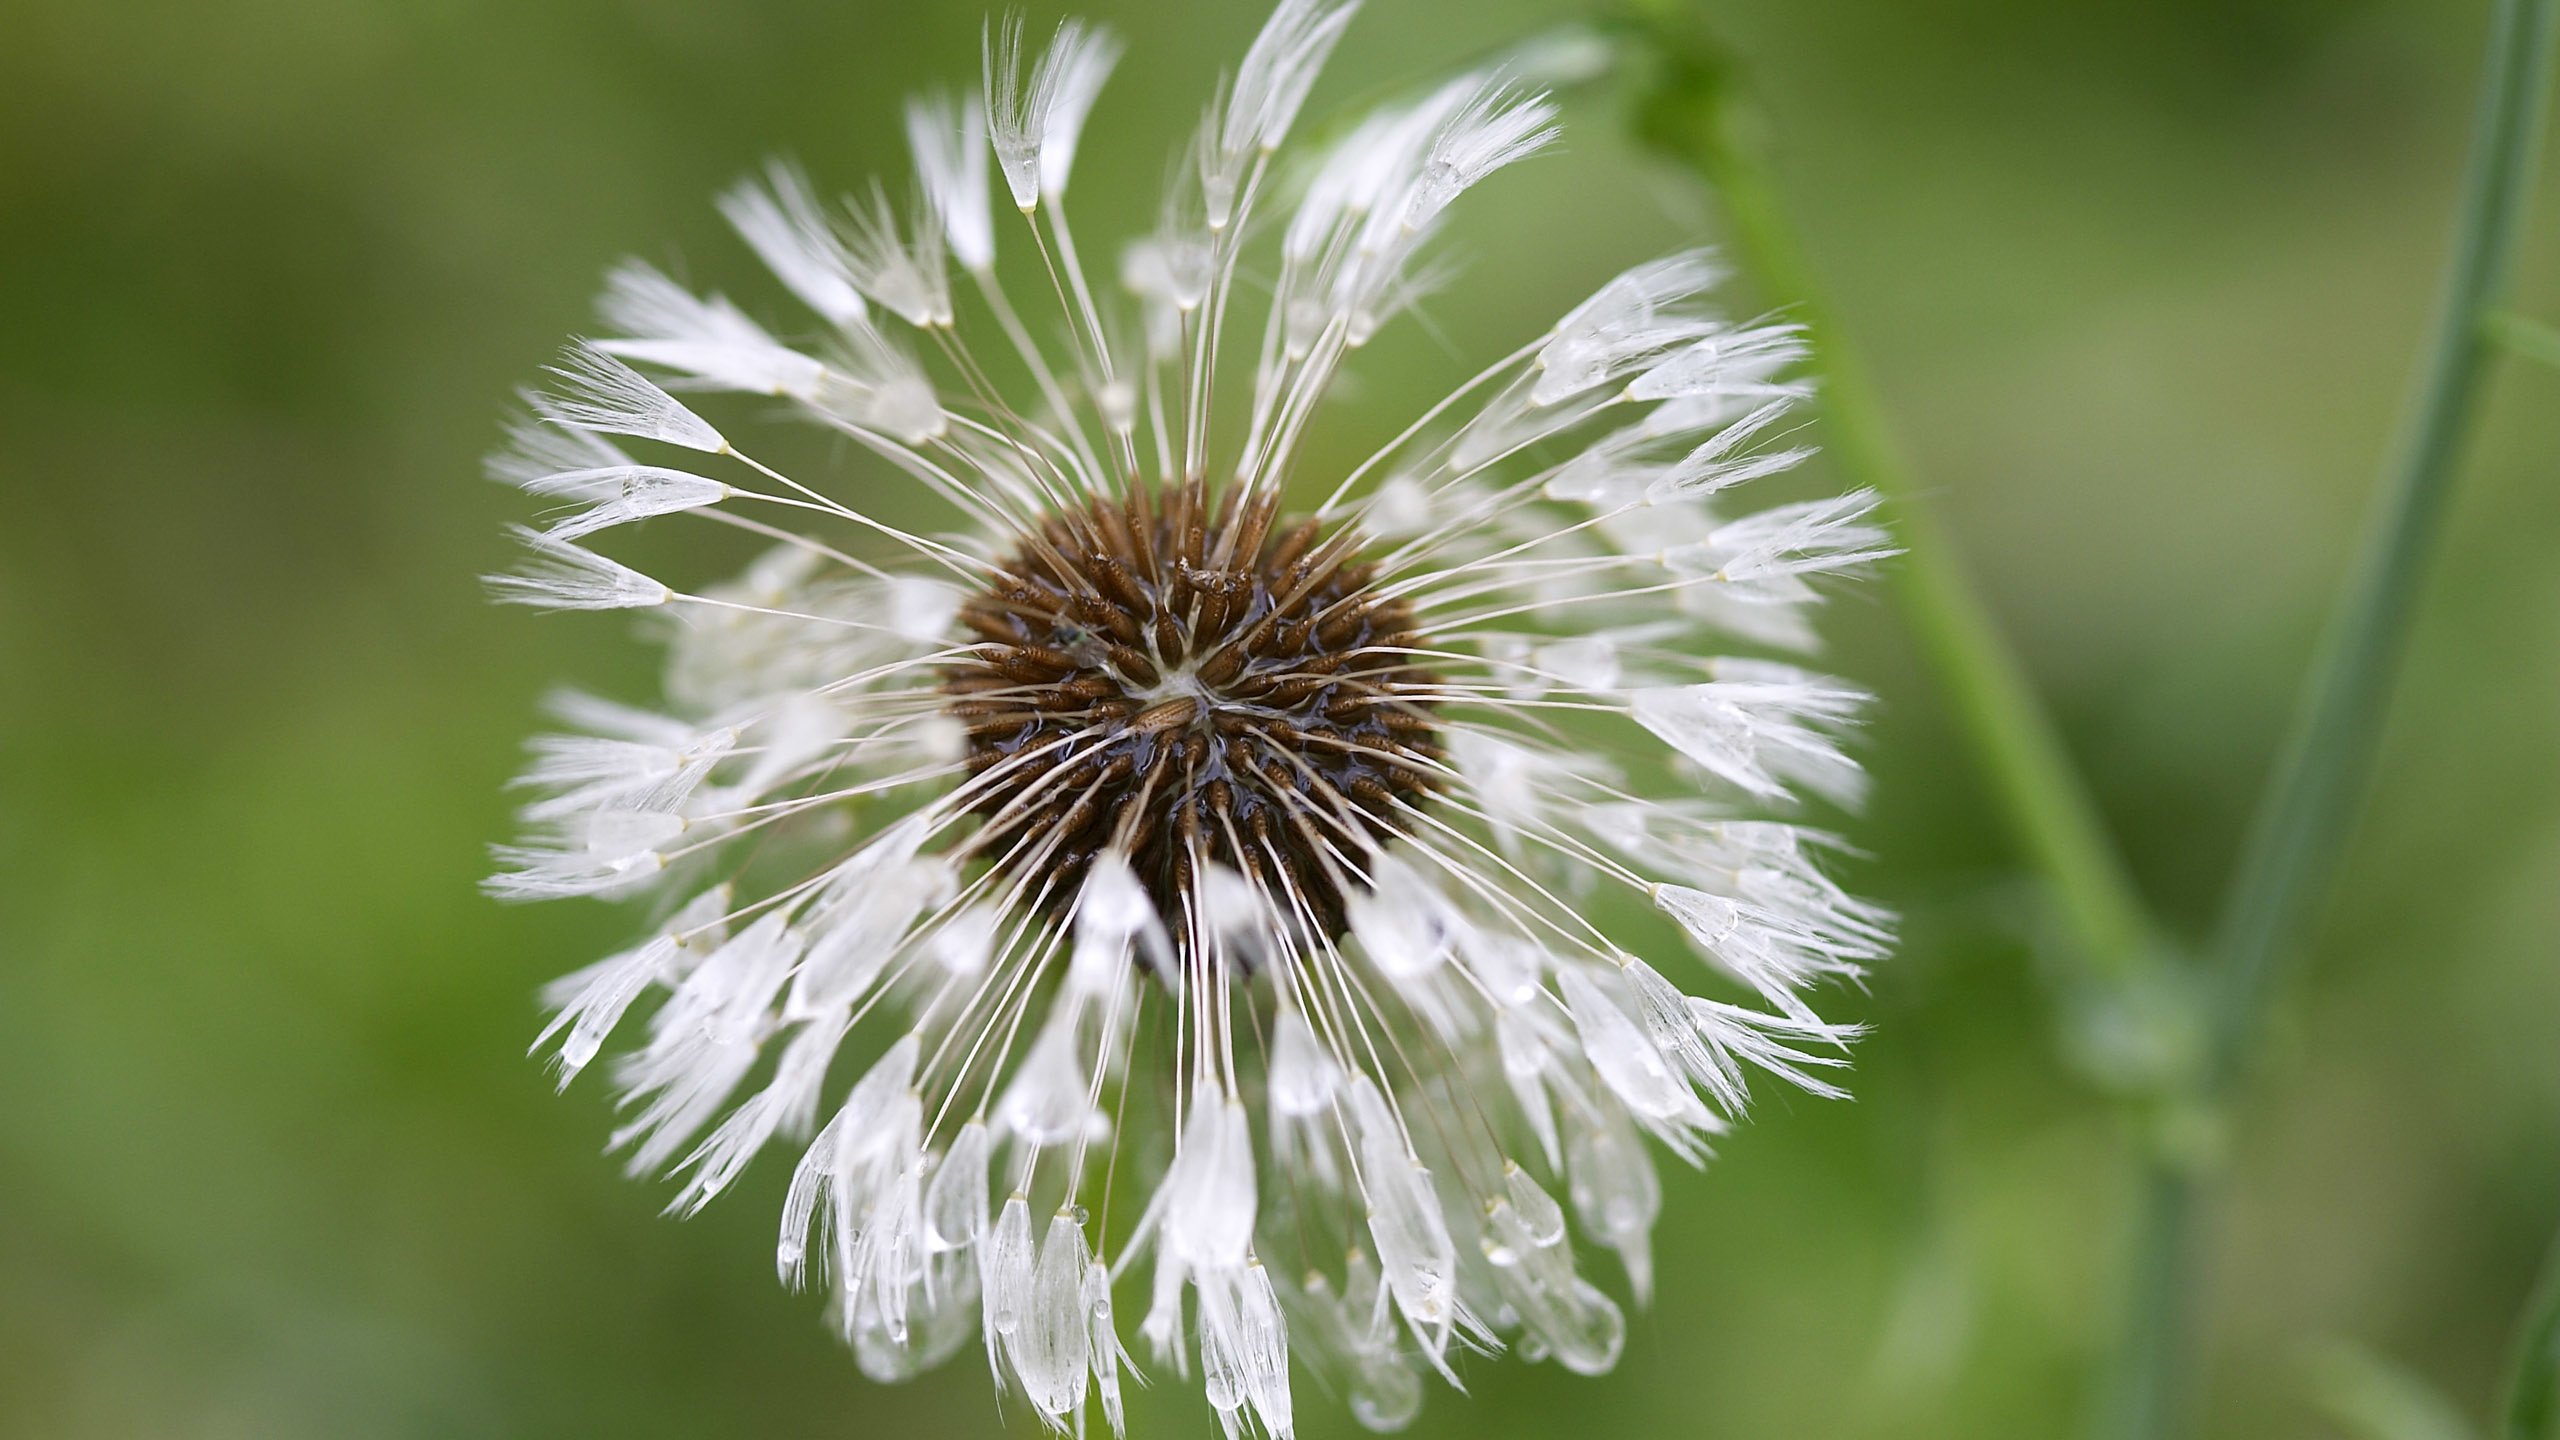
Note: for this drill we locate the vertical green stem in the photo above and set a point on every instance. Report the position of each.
(2533, 1385)
(2306, 812)
(2305, 816)
(2308, 809)
(1686, 114)
(2141, 1397)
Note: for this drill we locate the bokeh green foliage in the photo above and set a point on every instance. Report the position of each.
(2139, 283)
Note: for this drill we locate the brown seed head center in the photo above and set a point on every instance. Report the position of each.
(1182, 681)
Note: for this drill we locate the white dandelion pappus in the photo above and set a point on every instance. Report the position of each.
(1148, 899)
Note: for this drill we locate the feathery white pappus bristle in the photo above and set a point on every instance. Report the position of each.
(618, 494)
(1257, 110)
(1493, 128)
(563, 576)
(598, 392)
(1138, 891)
(708, 341)
(784, 224)
(899, 268)
(536, 448)
(950, 145)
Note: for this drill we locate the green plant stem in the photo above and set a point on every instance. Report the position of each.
(1686, 115)
(2525, 336)
(2308, 808)
(2305, 816)
(2142, 1397)
(2533, 1383)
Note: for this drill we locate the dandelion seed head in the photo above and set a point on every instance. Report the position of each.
(1172, 898)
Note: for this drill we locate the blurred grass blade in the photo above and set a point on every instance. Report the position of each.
(2533, 1389)
(2371, 1398)
(2527, 337)
(1688, 111)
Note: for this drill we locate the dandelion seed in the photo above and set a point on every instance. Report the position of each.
(1034, 123)
(1142, 879)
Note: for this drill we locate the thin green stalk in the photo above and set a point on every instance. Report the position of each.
(2308, 809)
(2533, 1383)
(1687, 115)
(2143, 1396)
(2306, 814)
(2527, 337)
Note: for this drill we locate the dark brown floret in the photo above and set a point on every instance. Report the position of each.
(1185, 685)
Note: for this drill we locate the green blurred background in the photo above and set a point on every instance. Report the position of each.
(2140, 279)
